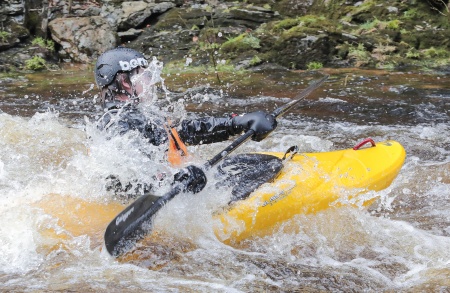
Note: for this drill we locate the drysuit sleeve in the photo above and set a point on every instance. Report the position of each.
(210, 129)
(118, 123)
(206, 130)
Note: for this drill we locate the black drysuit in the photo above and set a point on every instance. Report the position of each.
(254, 169)
(192, 132)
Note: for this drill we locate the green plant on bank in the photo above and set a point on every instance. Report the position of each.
(412, 54)
(385, 55)
(208, 41)
(46, 44)
(35, 63)
(176, 67)
(255, 61)
(286, 24)
(208, 46)
(252, 41)
(359, 54)
(4, 36)
(241, 43)
(435, 53)
(384, 49)
(377, 24)
(386, 65)
(366, 6)
(410, 13)
(306, 20)
(211, 47)
(367, 26)
(393, 24)
(405, 32)
(314, 65)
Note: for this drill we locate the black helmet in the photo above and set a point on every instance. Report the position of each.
(120, 59)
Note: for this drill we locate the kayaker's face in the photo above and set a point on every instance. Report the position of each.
(141, 79)
(136, 86)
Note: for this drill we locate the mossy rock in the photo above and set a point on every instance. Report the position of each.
(19, 31)
(292, 8)
(267, 41)
(334, 9)
(296, 53)
(242, 43)
(165, 45)
(11, 35)
(427, 39)
(389, 34)
(184, 18)
(369, 13)
(304, 26)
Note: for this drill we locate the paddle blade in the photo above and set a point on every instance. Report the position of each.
(134, 222)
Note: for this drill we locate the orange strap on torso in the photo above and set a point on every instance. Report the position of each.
(178, 152)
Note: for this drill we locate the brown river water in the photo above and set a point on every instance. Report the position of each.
(52, 155)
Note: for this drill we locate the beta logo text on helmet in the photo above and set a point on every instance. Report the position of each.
(133, 63)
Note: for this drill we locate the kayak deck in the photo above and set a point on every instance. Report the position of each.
(311, 182)
(307, 183)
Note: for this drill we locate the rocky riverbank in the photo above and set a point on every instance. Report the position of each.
(225, 35)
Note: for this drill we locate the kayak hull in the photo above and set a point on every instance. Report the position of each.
(311, 182)
(307, 183)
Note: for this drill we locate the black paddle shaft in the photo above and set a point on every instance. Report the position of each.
(135, 221)
(276, 114)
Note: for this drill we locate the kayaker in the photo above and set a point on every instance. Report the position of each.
(121, 77)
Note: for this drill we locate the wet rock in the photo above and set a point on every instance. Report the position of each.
(335, 33)
(132, 14)
(12, 30)
(129, 34)
(86, 11)
(8, 41)
(248, 17)
(128, 15)
(297, 51)
(83, 38)
(292, 8)
(12, 9)
(165, 45)
(179, 18)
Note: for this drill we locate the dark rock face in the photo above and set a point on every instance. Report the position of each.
(291, 33)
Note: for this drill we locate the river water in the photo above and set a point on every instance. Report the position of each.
(53, 161)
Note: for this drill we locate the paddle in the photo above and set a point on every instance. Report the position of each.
(135, 221)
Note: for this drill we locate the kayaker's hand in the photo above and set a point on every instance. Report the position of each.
(192, 179)
(260, 122)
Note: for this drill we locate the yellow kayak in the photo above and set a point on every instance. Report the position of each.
(311, 182)
(307, 183)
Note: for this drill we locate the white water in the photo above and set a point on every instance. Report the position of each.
(401, 243)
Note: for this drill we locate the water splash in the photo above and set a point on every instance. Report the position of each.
(402, 243)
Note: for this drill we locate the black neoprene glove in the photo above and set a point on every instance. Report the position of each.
(191, 178)
(260, 122)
